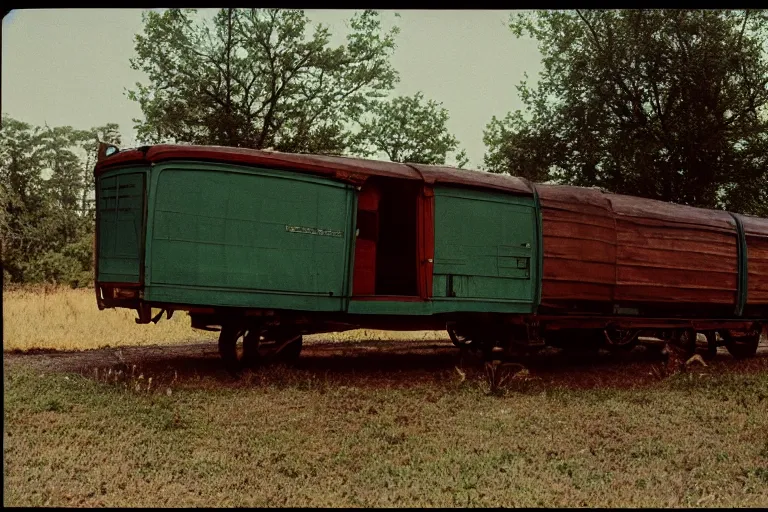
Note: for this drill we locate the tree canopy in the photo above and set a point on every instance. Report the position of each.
(665, 104)
(256, 78)
(46, 209)
(408, 129)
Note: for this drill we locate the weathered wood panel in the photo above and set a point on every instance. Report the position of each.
(756, 231)
(579, 245)
(667, 253)
(626, 250)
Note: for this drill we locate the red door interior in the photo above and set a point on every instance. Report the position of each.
(394, 243)
(426, 240)
(364, 276)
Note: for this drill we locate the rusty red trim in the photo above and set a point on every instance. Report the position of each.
(118, 285)
(364, 271)
(353, 170)
(426, 241)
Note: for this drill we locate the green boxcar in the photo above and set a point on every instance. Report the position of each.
(221, 235)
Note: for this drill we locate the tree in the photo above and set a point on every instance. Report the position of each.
(665, 104)
(23, 197)
(408, 130)
(255, 78)
(87, 143)
(46, 182)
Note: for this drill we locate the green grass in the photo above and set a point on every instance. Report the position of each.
(283, 437)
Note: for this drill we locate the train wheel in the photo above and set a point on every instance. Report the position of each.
(250, 355)
(459, 340)
(741, 346)
(234, 359)
(621, 339)
(486, 349)
(655, 349)
(584, 342)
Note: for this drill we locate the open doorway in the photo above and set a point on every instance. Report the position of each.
(386, 260)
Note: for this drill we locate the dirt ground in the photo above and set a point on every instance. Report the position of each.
(382, 363)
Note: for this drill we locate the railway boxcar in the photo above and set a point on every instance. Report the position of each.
(269, 246)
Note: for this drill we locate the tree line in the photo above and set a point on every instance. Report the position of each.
(666, 104)
(46, 201)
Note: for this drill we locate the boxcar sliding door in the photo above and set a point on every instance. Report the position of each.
(226, 235)
(485, 251)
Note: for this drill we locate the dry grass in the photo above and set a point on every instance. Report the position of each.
(376, 335)
(67, 319)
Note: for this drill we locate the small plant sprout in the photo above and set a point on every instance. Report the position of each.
(462, 375)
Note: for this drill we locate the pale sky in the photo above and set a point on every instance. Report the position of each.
(71, 66)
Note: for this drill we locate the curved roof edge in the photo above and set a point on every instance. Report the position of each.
(357, 170)
(754, 225)
(350, 169)
(631, 206)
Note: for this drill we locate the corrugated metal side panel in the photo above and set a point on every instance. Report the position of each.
(579, 245)
(258, 239)
(756, 230)
(478, 260)
(121, 226)
(689, 259)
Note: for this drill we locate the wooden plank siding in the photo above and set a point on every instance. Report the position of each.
(668, 264)
(622, 250)
(669, 253)
(579, 245)
(756, 231)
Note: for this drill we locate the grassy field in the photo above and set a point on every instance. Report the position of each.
(67, 319)
(283, 437)
(403, 423)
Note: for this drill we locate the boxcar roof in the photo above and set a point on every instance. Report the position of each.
(357, 170)
(630, 206)
(354, 170)
(754, 225)
(573, 198)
